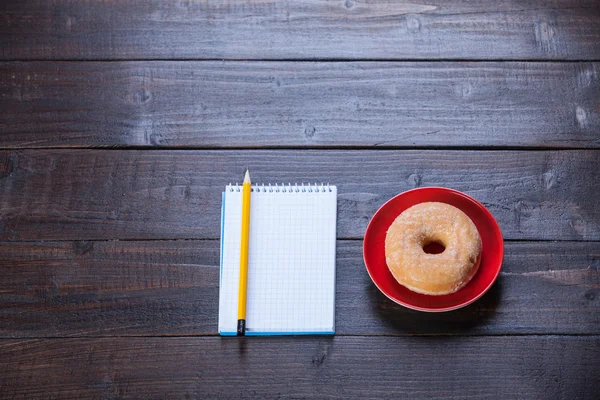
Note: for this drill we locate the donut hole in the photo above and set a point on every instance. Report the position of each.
(433, 247)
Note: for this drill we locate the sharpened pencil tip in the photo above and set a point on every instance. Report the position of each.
(247, 176)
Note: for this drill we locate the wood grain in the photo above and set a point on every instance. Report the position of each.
(59, 289)
(269, 29)
(102, 194)
(337, 367)
(274, 104)
(192, 90)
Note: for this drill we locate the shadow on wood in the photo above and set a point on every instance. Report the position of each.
(462, 321)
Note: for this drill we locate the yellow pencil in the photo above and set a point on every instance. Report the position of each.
(241, 325)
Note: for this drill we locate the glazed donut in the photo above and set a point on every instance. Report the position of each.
(433, 274)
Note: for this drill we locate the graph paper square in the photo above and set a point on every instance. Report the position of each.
(291, 260)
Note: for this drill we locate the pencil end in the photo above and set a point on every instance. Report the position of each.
(241, 327)
(247, 176)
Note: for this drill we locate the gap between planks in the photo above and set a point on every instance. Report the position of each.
(216, 335)
(305, 148)
(312, 60)
(346, 239)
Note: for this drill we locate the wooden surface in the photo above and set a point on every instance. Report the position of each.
(272, 29)
(482, 368)
(121, 123)
(101, 194)
(170, 288)
(281, 104)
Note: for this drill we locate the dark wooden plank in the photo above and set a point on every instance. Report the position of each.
(258, 104)
(544, 287)
(338, 367)
(352, 29)
(104, 194)
(58, 289)
(109, 288)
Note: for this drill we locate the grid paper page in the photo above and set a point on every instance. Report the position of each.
(291, 261)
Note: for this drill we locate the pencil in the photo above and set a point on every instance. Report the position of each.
(241, 325)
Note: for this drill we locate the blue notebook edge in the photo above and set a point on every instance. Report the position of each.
(279, 333)
(222, 233)
(221, 256)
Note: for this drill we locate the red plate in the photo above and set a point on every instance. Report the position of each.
(492, 252)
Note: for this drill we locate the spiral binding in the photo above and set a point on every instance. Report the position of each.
(289, 188)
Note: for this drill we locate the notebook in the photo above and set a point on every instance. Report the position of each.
(291, 260)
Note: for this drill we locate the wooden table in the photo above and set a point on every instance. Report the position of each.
(121, 122)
